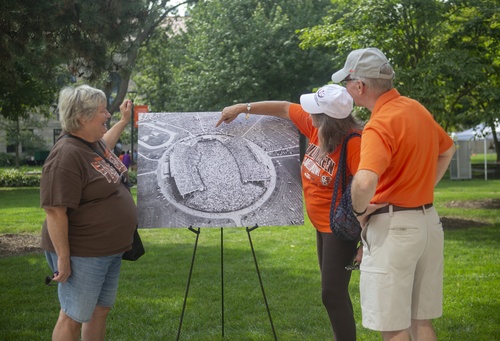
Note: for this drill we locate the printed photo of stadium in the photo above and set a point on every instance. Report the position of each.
(242, 174)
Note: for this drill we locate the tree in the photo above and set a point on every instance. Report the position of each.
(154, 71)
(47, 44)
(27, 62)
(25, 141)
(92, 41)
(445, 53)
(478, 38)
(124, 53)
(235, 50)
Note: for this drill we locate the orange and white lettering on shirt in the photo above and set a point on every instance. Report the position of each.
(103, 167)
(318, 174)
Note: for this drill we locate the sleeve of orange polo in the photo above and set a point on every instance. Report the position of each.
(445, 141)
(376, 150)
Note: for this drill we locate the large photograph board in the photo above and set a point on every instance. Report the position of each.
(242, 174)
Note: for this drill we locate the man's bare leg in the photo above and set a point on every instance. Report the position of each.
(422, 330)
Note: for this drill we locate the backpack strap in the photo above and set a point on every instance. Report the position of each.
(341, 171)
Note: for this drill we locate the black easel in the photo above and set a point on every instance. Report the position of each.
(197, 232)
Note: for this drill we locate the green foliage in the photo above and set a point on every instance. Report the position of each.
(7, 159)
(234, 51)
(155, 67)
(446, 54)
(479, 158)
(132, 174)
(27, 72)
(17, 135)
(19, 178)
(47, 44)
(32, 142)
(28, 177)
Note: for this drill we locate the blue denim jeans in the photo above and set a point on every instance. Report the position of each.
(93, 282)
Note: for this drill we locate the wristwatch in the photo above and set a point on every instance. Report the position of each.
(249, 107)
(357, 214)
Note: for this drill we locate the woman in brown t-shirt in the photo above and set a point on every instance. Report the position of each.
(90, 213)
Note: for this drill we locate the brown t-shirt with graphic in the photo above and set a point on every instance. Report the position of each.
(101, 212)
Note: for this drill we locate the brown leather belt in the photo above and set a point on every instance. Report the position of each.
(395, 208)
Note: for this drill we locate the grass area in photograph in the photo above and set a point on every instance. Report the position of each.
(152, 290)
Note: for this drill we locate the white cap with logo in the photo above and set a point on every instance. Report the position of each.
(332, 100)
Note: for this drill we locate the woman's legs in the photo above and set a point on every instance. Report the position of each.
(333, 256)
(86, 297)
(95, 329)
(66, 328)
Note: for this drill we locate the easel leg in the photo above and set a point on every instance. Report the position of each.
(197, 232)
(260, 279)
(222, 274)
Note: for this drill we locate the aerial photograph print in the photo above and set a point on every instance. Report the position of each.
(191, 174)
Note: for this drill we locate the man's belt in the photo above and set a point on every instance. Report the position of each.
(395, 208)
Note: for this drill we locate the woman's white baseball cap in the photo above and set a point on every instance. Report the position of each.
(332, 100)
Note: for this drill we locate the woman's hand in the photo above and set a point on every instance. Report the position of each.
(229, 114)
(126, 110)
(63, 270)
(57, 227)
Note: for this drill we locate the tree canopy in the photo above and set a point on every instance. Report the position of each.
(445, 53)
(45, 44)
(232, 51)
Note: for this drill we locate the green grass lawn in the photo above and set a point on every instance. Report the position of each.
(479, 158)
(152, 290)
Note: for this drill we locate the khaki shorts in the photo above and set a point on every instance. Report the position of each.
(402, 269)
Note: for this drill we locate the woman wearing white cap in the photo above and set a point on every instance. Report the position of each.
(325, 119)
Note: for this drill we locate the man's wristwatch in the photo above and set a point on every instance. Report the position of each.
(357, 214)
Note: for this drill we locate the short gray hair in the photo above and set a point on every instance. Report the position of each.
(77, 104)
(382, 85)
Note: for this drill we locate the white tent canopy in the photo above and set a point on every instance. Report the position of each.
(481, 133)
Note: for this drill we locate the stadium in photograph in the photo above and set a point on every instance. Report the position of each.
(242, 174)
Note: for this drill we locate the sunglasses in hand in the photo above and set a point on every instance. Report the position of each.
(49, 280)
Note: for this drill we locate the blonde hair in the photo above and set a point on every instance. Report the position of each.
(78, 104)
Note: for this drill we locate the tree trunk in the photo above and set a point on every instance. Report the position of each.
(495, 141)
(17, 141)
(132, 53)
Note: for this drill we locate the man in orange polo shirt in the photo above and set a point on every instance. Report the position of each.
(404, 154)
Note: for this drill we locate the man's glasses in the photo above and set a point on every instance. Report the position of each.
(347, 79)
(352, 267)
(49, 280)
